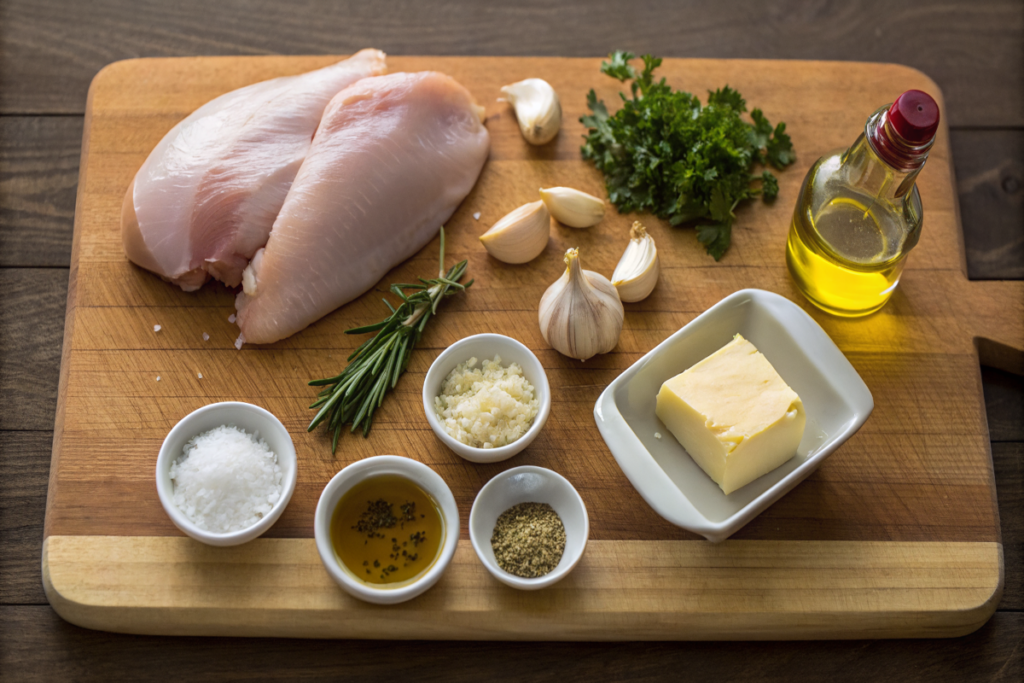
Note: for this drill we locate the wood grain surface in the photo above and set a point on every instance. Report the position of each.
(35, 635)
(31, 310)
(972, 49)
(990, 182)
(50, 50)
(621, 590)
(39, 174)
(919, 471)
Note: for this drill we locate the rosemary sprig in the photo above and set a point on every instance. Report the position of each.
(376, 365)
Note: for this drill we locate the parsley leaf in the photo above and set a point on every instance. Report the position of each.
(780, 148)
(761, 132)
(619, 66)
(769, 185)
(715, 237)
(665, 153)
(720, 206)
(727, 97)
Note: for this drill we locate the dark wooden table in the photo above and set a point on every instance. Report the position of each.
(50, 50)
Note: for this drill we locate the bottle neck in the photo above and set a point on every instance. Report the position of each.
(882, 163)
(891, 147)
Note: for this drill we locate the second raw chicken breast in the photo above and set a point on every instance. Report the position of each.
(392, 159)
(206, 197)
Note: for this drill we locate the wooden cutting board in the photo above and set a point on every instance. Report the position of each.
(896, 535)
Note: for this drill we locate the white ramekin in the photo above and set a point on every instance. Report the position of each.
(246, 417)
(529, 484)
(424, 477)
(484, 347)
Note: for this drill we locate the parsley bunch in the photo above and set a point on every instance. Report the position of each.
(665, 153)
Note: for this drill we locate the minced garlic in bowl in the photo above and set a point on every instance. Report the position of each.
(486, 407)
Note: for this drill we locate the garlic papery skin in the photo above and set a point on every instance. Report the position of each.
(580, 313)
(572, 207)
(638, 269)
(538, 109)
(521, 235)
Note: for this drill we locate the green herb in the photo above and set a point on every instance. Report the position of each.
(664, 153)
(378, 515)
(376, 365)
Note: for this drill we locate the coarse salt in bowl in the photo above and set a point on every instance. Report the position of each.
(250, 419)
(485, 347)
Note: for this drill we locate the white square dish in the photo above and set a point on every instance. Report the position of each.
(836, 400)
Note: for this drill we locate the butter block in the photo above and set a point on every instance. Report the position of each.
(733, 414)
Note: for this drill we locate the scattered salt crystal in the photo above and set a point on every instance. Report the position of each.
(200, 375)
(657, 435)
(476, 216)
(158, 378)
(226, 479)
(206, 337)
(156, 328)
(232, 318)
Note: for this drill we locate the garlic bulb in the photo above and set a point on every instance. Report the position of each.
(580, 313)
(519, 236)
(638, 269)
(572, 207)
(538, 109)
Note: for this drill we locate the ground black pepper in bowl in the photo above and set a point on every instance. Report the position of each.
(528, 540)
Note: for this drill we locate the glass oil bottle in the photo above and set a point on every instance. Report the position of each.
(859, 212)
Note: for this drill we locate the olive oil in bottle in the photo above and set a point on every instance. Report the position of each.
(859, 211)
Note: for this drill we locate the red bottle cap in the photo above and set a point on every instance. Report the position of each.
(914, 116)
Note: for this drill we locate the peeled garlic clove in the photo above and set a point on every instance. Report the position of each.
(639, 267)
(538, 109)
(519, 236)
(572, 207)
(580, 313)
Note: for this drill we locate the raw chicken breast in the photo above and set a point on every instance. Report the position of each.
(391, 161)
(205, 199)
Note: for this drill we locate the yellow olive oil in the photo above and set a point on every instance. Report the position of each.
(387, 530)
(846, 259)
(859, 211)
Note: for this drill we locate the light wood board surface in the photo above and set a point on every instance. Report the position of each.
(912, 489)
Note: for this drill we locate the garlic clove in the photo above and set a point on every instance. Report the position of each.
(519, 236)
(637, 272)
(572, 207)
(537, 107)
(580, 313)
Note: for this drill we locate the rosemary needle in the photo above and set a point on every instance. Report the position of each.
(376, 365)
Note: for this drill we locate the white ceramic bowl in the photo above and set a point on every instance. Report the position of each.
(246, 417)
(529, 484)
(484, 347)
(835, 398)
(427, 479)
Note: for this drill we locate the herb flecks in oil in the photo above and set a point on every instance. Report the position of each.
(387, 530)
(528, 540)
(378, 516)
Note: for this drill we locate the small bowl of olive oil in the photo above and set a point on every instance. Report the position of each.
(386, 528)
